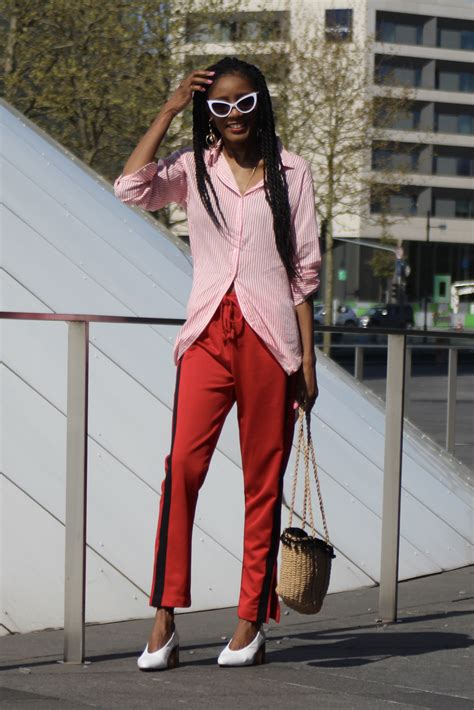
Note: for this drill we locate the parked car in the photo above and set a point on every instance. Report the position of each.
(345, 316)
(319, 314)
(390, 315)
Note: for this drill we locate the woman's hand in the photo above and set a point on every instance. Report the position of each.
(306, 384)
(198, 80)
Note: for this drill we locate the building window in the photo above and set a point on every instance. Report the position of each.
(388, 158)
(238, 27)
(404, 202)
(447, 162)
(399, 29)
(465, 124)
(388, 115)
(461, 121)
(455, 34)
(338, 25)
(397, 71)
(451, 79)
(453, 204)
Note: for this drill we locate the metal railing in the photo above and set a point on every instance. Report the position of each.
(453, 352)
(76, 459)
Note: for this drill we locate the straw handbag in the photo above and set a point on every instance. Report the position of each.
(305, 560)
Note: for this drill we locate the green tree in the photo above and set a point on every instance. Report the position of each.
(332, 117)
(94, 74)
(382, 264)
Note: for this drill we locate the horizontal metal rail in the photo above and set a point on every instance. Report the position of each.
(94, 318)
(76, 458)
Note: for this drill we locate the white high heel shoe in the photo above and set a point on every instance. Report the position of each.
(253, 654)
(165, 657)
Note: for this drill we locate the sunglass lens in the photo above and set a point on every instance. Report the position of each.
(220, 108)
(246, 104)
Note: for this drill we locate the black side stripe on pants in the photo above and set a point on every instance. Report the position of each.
(275, 535)
(159, 580)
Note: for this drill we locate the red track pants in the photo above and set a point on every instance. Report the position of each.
(227, 363)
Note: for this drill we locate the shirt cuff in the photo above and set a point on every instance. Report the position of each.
(304, 288)
(143, 174)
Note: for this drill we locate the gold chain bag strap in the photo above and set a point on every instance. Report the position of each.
(306, 560)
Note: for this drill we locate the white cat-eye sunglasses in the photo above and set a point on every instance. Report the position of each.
(222, 109)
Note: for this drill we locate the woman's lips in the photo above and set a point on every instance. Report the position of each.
(237, 128)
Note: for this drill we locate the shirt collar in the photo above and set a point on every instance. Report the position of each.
(212, 154)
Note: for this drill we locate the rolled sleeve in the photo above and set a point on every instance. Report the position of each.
(307, 251)
(155, 185)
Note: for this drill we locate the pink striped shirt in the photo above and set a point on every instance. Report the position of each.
(246, 254)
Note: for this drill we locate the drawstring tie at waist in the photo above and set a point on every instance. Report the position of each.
(231, 325)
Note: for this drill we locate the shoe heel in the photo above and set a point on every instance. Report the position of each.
(260, 655)
(173, 659)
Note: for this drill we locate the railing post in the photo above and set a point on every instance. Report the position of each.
(408, 364)
(392, 477)
(451, 407)
(76, 491)
(359, 363)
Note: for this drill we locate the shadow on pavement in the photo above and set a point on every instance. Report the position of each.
(335, 648)
(361, 649)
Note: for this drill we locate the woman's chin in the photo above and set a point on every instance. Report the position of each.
(237, 137)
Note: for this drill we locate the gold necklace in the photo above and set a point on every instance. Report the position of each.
(250, 179)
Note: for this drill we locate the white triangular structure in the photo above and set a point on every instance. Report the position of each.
(69, 246)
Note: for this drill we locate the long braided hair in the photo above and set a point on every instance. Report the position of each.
(275, 185)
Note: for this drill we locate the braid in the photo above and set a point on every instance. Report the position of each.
(202, 176)
(275, 184)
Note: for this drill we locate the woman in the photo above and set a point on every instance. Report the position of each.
(248, 337)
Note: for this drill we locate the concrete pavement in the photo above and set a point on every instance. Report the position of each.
(340, 658)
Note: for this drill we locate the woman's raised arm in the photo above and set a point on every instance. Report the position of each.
(146, 149)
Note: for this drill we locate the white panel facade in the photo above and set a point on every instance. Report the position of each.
(68, 245)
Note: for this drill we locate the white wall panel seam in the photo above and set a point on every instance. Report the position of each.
(101, 446)
(91, 547)
(83, 270)
(346, 491)
(61, 522)
(93, 347)
(406, 491)
(69, 208)
(22, 285)
(375, 514)
(405, 479)
(81, 170)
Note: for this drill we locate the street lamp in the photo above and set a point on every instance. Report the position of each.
(427, 241)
